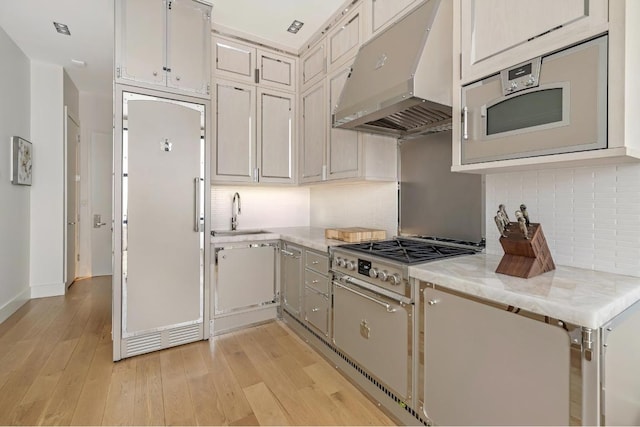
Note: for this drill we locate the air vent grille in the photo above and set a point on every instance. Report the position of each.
(184, 335)
(413, 119)
(143, 344)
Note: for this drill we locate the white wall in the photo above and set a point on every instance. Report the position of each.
(371, 205)
(590, 216)
(262, 207)
(96, 115)
(47, 192)
(14, 200)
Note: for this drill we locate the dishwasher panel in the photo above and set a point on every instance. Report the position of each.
(244, 277)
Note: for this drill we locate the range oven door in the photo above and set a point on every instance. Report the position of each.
(549, 105)
(375, 331)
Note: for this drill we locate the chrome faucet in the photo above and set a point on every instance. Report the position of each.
(235, 211)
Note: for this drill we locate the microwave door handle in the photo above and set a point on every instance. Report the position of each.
(465, 126)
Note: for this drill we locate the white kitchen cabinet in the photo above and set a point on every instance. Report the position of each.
(484, 364)
(164, 43)
(238, 287)
(244, 284)
(313, 134)
(620, 19)
(276, 71)
(313, 64)
(254, 134)
(232, 59)
(247, 63)
(234, 109)
(496, 34)
(291, 279)
(276, 128)
(343, 160)
(330, 154)
(317, 298)
(345, 38)
(385, 12)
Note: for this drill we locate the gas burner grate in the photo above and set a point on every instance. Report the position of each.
(408, 251)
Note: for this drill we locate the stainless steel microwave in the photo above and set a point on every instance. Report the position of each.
(548, 105)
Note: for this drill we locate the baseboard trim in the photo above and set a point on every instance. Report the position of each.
(51, 290)
(13, 305)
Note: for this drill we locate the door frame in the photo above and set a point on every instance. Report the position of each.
(69, 115)
(116, 329)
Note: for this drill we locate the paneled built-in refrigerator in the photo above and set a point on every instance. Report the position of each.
(159, 235)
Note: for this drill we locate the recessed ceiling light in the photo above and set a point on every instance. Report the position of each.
(295, 26)
(78, 63)
(62, 28)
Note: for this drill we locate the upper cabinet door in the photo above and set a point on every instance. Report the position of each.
(234, 60)
(275, 136)
(345, 39)
(342, 144)
(276, 71)
(314, 125)
(188, 46)
(384, 12)
(314, 64)
(496, 34)
(234, 153)
(140, 41)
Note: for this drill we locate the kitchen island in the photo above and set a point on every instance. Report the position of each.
(559, 348)
(583, 297)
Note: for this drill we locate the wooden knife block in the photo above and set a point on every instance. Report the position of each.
(525, 258)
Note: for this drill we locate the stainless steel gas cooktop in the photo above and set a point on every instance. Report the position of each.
(415, 250)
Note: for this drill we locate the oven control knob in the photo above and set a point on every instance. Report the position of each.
(373, 273)
(351, 265)
(382, 275)
(341, 262)
(395, 279)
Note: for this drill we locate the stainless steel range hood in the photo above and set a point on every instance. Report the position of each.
(400, 82)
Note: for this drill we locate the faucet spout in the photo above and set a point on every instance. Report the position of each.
(235, 211)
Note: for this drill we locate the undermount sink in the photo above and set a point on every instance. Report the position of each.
(231, 233)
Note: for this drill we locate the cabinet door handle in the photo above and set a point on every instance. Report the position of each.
(433, 302)
(465, 125)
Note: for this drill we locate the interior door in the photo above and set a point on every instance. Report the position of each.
(101, 194)
(163, 270)
(73, 142)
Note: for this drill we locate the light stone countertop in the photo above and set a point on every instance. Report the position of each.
(582, 297)
(310, 237)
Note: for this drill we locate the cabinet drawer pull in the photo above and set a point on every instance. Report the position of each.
(315, 309)
(314, 281)
(315, 262)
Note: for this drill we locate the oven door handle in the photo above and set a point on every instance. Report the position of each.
(386, 305)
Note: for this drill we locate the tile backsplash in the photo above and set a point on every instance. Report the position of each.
(262, 207)
(370, 204)
(590, 215)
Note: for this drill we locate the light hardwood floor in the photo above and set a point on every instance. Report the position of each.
(56, 369)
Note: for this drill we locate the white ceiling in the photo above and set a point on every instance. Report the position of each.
(29, 24)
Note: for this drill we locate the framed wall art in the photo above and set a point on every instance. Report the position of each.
(21, 161)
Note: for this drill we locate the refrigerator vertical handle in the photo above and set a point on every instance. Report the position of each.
(196, 205)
